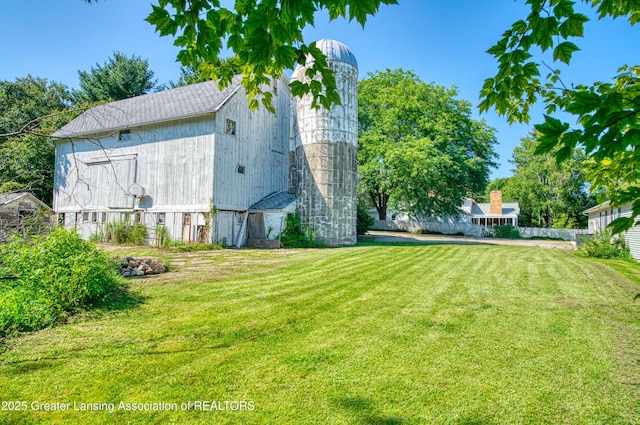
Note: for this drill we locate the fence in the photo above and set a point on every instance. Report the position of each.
(453, 227)
(542, 232)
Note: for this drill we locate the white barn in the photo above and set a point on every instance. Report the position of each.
(197, 161)
(602, 215)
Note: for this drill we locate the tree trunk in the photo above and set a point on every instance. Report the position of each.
(380, 200)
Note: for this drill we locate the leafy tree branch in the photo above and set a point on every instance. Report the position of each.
(264, 35)
(607, 114)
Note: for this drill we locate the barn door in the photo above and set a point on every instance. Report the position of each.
(186, 227)
(122, 174)
(256, 226)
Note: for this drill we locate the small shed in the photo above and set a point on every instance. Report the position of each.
(602, 215)
(267, 218)
(15, 208)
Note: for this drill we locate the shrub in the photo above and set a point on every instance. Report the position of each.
(138, 234)
(292, 235)
(118, 231)
(121, 232)
(97, 237)
(505, 231)
(162, 236)
(54, 276)
(295, 235)
(604, 245)
(364, 221)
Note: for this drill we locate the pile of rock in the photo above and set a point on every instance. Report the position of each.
(133, 267)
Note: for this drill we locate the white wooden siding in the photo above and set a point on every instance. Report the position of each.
(260, 145)
(601, 217)
(183, 166)
(173, 162)
(632, 236)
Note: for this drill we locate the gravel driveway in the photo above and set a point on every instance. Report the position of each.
(385, 236)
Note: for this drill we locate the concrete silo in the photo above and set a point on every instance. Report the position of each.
(326, 152)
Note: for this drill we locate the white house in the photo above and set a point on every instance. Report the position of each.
(198, 161)
(493, 213)
(475, 218)
(602, 215)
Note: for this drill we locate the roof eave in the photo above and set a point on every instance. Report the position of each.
(146, 123)
(137, 125)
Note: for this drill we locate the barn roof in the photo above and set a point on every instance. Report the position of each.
(274, 202)
(183, 102)
(9, 198)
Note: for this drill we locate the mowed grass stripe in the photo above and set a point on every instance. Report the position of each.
(376, 334)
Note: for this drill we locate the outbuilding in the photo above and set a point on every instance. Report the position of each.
(16, 209)
(602, 215)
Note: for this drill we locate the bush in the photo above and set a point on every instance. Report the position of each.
(603, 245)
(505, 231)
(295, 235)
(138, 234)
(162, 236)
(364, 220)
(121, 232)
(54, 275)
(118, 231)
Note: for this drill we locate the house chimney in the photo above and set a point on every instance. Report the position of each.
(495, 199)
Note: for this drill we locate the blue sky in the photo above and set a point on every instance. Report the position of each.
(441, 41)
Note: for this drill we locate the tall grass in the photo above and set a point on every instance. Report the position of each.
(122, 232)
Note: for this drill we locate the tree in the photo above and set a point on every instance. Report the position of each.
(419, 150)
(119, 78)
(550, 194)
(30, 110)
(606, 113)
(193, 74)
(265, 35)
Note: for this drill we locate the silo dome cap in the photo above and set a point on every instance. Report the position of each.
(334, 50)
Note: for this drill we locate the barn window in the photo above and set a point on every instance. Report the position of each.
(61, 218)
(103, 217)
(94, 217)
(186, 219)
(162, 218)
(85, 216)
(138, 217)
(231, 127)
(275, 87)
(124, 135)
(241, 169)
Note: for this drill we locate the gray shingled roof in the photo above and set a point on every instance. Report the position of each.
(182, 102)
(274, 202)
(7, 198)
(475, 209)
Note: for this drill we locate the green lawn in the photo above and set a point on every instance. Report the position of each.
(442, 334)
